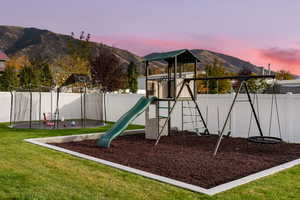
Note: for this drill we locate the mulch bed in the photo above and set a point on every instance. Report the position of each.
(189, 158)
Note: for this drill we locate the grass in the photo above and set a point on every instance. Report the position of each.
(31, 172)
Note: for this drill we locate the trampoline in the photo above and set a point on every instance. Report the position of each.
(58, 108)
(67, 124)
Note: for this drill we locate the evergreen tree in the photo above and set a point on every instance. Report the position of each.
(45, 75)
(29, 77)
(132, 76)
(9, 79)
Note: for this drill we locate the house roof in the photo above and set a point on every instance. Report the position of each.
(289, 83)
(184, 55)
(76, 78)
(3, 56)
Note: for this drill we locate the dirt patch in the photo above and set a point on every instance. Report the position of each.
(186, 157)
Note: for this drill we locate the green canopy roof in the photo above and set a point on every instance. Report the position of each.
(185, 55)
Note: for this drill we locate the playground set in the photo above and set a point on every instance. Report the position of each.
(178, 86)
(189, 158)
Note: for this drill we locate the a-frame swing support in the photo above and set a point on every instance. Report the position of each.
(243, 84)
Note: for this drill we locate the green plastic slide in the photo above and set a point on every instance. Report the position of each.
(124, 121)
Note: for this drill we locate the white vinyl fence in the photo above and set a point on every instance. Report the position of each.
(288, 110)
(210, 105)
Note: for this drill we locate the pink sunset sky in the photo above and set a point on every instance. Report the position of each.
(258, 31)
(287, 58)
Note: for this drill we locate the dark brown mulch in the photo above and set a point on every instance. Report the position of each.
(188, 158)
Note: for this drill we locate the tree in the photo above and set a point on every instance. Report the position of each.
(106, 71)
(18, 62)
(9, 79)
(64, 66)
(132, 75)
(214, 69)
(80, 47)
(254, 85)
(155, 70)
(29, 77)
(45, 75)
(284, 75)
(76, 62)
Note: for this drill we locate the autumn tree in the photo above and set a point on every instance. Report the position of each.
(132, 76)
(106, 71)
(18, 62)
(64, 66)
(284, 75)
(155, 70)
(215, 69)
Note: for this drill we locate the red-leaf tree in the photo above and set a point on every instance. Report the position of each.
(106, 70)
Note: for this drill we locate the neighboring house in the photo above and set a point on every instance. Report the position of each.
(288, 86)
(3, 59)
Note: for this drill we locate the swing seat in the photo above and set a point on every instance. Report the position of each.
(265, 140)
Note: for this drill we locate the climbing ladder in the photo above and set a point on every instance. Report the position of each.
(191, 120)
(162, 112)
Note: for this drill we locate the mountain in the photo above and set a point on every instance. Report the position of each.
(232, 64)
(44, 44)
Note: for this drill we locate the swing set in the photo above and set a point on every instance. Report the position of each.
(174, 87)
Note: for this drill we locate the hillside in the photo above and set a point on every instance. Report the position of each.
(231, 63)
(44, 44)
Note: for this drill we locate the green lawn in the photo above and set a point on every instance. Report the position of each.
(31, 172)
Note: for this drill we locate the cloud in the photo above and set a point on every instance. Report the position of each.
(280, 58)
(284, 56)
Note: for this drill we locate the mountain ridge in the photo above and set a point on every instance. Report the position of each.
(48, 45)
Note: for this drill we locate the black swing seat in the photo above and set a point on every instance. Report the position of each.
(265, 140)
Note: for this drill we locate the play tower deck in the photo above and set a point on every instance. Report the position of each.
(171, 87)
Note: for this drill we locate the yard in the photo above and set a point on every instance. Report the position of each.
(31, 172)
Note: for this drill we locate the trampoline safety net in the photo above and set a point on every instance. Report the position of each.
(50, 110)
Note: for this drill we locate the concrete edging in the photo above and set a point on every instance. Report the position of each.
(212, 191)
